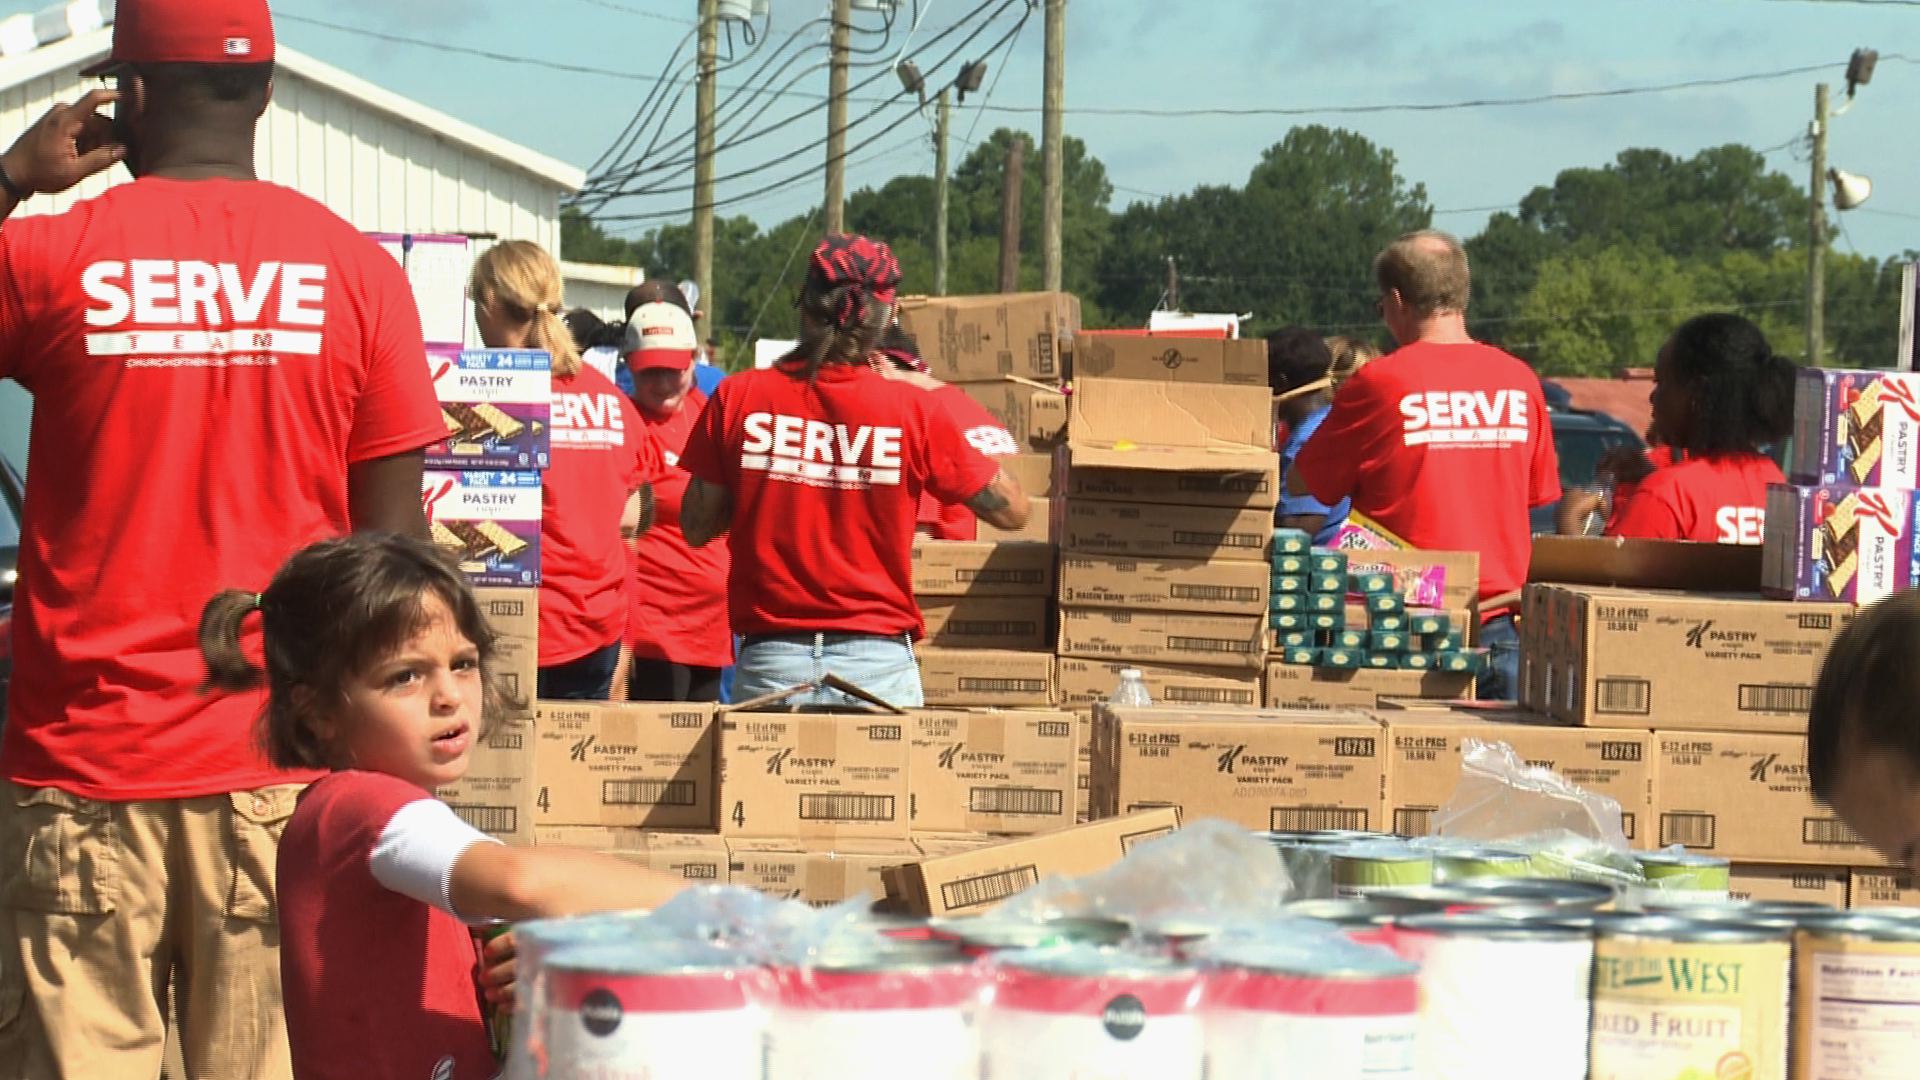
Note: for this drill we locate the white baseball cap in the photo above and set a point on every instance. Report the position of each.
(660, 335)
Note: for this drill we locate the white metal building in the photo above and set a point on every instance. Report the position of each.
(381, 161)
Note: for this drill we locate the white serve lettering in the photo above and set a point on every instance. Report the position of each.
(814, 452)
(186, 313)
(1472, 418)
(588, 420)
(993, 440)
(1742, 525)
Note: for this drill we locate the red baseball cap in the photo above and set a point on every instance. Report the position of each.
(189, 32)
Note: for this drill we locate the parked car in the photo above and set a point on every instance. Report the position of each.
(1581, 439)
(12, 494)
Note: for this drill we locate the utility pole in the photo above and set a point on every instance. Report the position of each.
(836, 209)
(940, 198)
(1817, 234)
(1010, 215)
(1173, 285)
(1053, 168)
(708, 60)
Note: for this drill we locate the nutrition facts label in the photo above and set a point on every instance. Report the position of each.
(1866, 1020)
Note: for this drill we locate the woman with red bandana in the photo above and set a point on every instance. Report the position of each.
(815, 468)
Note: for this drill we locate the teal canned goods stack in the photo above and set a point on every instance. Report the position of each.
(1317, 595)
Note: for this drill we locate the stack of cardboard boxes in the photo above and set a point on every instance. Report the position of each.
(988, 607)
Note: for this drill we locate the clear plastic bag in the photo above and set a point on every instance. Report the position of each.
(1504, 802)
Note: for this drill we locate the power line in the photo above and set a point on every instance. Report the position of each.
(626, 10)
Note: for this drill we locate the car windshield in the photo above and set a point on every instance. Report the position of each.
(1580, 453)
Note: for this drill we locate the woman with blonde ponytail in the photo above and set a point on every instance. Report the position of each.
(597, 487)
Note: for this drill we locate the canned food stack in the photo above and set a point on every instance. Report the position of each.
(1314, 596)
(988, 608)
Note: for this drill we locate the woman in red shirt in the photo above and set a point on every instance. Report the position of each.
(1721, 399)
(594, 489)
(898, 357)
(678, 640)
(816, 466)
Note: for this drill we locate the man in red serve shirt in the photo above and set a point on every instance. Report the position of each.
(1445, 442)
(817, 465)
(223, 371)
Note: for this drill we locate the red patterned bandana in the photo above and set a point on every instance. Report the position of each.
(866, 267)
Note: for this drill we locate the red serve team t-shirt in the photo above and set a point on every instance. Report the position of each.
(601, 453)
(985, 433)
(679, 592)
(826, 479)
(1720, 499)
(396, 976)
(207, 359)
(1446, 446)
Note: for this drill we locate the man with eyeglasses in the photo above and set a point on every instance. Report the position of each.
(1445, 442)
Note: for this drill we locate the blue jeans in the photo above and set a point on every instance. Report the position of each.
(1501, 638)
(882, 666)
(589, 678)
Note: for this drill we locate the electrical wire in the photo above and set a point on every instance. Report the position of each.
(609, 5)
(615, 183)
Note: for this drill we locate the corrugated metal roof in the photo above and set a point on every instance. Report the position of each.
(1623, 399)
(77, 33)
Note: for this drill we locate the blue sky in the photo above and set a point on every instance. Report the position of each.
(1235, 54)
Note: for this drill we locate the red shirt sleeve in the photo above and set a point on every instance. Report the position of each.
(956, 470)
(1545, 486)
(1330, 461)
(397, 411)
(18, 272)
(705, 455)
(1647, 514)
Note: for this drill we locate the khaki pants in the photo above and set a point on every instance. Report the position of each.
(104, 905)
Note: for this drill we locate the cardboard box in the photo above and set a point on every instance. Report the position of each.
(1032, 470)
(514, 615)
(1292, 686)
(497, 406)
(1746, 796)
(1773, 883)
(641, 764)
(1164, 637)
(820, 875)
(489, 520)
(497, 793)
(970, 882)
(1217, 587)
(966, 338)
(1034, 413)
(699, 858)
(1622, 562)
(998, 678)
(981, 568)
(1084, 683)
(1428, 579)
(1151, 531)
(1880, 886)
(1039, 526)
(1013, 773)
(1423, 763)
(1640, 659)
(991, 622)
(1258, 487)
(1856, 427)
(820, 777)
(936, 844)
(1169, 427)
(1165, 358)
(1841, 543)
(1260, 769)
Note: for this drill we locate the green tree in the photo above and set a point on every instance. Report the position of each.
(583, 240)
(1295, 245)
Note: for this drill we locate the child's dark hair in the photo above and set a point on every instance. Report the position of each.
(1742, 392)
(335, 609)
(1296, 356)
(1863, 699)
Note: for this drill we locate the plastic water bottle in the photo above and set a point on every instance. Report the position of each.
(1132, 691)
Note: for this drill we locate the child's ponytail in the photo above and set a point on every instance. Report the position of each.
(227, 665)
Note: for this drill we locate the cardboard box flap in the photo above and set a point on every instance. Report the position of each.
(1122, 424)
(1646, 564)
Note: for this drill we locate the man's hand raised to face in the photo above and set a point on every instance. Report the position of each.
(67, 145)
